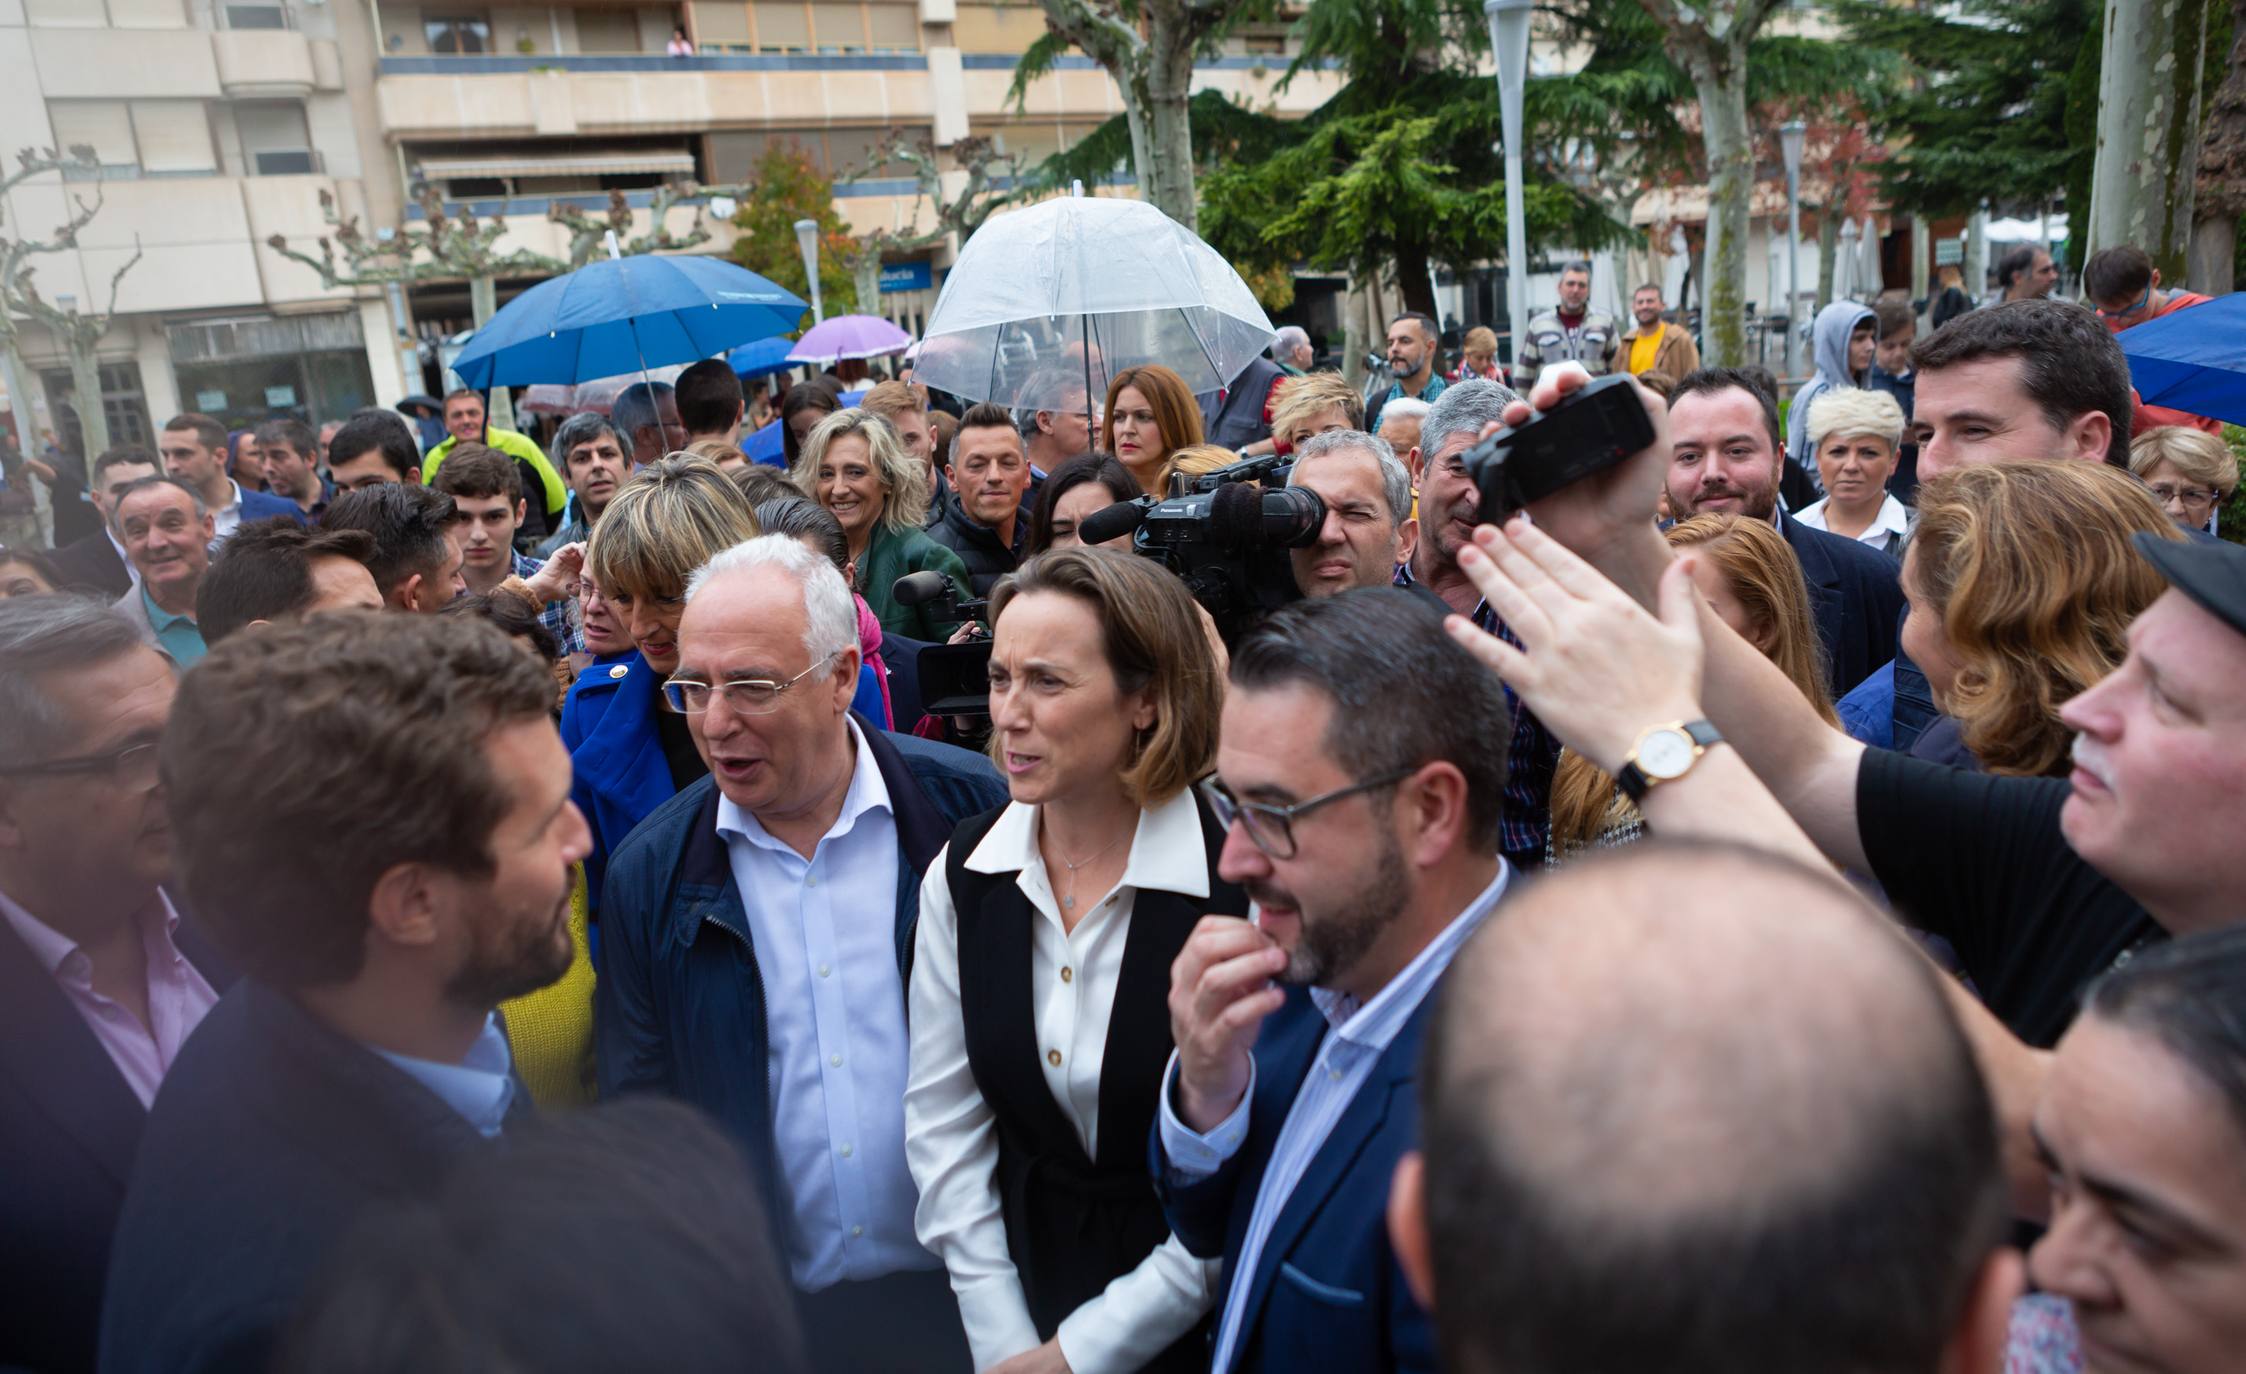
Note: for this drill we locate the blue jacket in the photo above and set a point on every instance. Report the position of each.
(1327, 1292)
(608, 726)
(1855, 596)
(271, 1135)
(679, 1007)
(69, 1129)
(264, 505)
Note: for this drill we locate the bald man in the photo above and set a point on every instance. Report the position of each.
(1697, 1110)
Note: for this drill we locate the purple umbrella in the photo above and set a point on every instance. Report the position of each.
(849, 336)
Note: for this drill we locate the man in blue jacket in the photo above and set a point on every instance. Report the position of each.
(193, 448)
(758, 932)
(1360, 773)
(360, 1055)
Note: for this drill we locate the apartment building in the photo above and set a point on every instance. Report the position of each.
(218, 125)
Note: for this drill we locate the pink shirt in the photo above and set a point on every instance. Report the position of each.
(178, 997)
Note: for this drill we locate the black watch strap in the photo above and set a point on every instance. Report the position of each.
(1633, 780)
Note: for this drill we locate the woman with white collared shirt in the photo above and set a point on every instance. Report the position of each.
(1856, 435)
(1040, 1017)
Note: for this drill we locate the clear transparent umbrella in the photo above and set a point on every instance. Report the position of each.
(1048, 303)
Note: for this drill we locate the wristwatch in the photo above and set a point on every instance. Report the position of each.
(1665, 753)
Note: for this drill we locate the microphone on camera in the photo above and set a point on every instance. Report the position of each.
(917, 589)
(1113, 522)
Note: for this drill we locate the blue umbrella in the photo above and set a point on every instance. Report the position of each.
(762, 358)
(625, 315)
(2193, 359)
(766, 446)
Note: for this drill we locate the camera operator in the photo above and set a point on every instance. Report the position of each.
(1368, 529)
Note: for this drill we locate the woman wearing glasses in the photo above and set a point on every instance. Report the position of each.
(630, 752)
(2190, 473)
(1040, 1023)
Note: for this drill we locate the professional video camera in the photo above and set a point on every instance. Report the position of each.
(954, 678)
(1596, 427)
(1226, 539)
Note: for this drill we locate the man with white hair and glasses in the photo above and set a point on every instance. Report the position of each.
(756, 929)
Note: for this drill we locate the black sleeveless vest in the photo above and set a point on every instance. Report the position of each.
(1074, 1224)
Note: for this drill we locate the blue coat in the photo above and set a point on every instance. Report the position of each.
(272, 1134)
(679, 1007)
(1326, 1292)
(70, 1127)
(1855, 596)
(264, 505)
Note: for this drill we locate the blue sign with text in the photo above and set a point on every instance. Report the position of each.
(907, 276)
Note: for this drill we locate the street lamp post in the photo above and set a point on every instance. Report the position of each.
(807, 238)
(1790, 136)
(1509, 39)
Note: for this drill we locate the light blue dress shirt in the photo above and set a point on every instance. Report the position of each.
(825, 931)
(480, 1087)
(1356, 1037)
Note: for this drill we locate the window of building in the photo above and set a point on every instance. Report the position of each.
(255, 16)
(998, 28)
(275, 139)
(244, 370)
(722, 26)
(839, 28)
(457, 34)
(607, 31)
(174, 137)
(782, 25)
(121, 401)
(105, 126)
(836, 152)
(893, 28)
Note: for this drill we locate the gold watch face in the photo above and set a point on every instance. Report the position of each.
(1665, 754)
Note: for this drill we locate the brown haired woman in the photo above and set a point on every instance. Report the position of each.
(1150, 415)
(1040, 1020)
(1753, 583)
(2023, 578)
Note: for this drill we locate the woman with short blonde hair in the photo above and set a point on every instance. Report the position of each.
(1856, 435)
(2022, 579)
(855, 464)
(1040, 974)
(1311, 404)
(1477, 356)
(2188, 471)
(675, 515)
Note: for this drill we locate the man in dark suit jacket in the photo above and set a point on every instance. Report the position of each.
(1239, 415)
(98, 560)
(757, 931)
(1371, 855)
(360, 1053)
(1727, 453)
(100, 982)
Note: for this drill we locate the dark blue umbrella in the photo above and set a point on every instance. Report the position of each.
(761, 359)
(626, 315)
(766, 445)
(2193, 359)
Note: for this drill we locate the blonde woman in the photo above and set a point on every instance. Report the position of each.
(1753, 583)
(629, 751)
(1040, 979)
(1199, 460)
(856, 465)
(2006, 631)
(1856, 434)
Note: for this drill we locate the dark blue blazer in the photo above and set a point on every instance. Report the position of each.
(1326, 1292)
(264, 505)
(621, 776)
(270, 1136)
(679, 1007)
(69, 1129)
(1855, 596)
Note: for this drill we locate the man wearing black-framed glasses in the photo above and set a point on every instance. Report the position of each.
(756, 931)
(99, 982)
(1361, 775)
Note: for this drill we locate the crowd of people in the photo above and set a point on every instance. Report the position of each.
(1770, 905)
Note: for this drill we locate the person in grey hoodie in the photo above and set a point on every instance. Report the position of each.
(1841, 344)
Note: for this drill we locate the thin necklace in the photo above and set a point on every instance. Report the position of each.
(1070, 900)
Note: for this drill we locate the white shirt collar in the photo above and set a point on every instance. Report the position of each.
(1167, 853)
(867, 794)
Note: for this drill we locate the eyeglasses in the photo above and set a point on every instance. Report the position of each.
(745, 697)
(1272, 828)
(2190, 497)
(2142, 302)
(132, 767)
